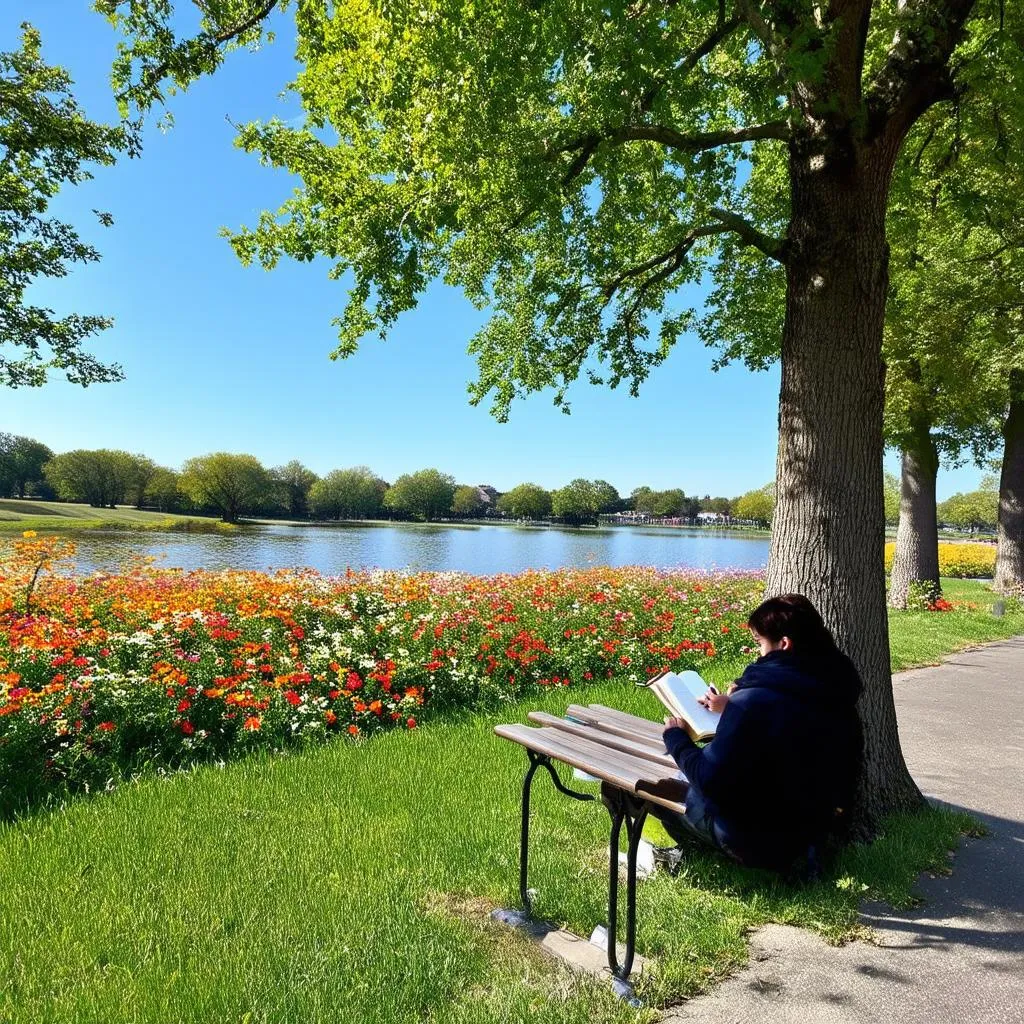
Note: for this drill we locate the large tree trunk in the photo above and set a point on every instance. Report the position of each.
(917, 539)
(1010, 550)
(828, 533)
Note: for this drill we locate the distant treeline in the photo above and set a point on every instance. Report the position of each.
(235, 486)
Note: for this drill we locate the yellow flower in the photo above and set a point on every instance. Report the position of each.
(28, 534)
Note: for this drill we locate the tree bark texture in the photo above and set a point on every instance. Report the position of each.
(917, 538)
(828, 533)
(1010, 551)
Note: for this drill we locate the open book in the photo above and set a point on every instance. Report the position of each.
(679, 693)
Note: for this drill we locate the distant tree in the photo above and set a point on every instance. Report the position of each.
(892, 499)
(757, 505)
(643, 500)
(467, 503)
(691, 506)
(723, 506)
(162, 490)
(577, 502)
(21, 463)
(138, 471)
(233, 484)
(46, 142)
(356, 493)
(424, 495)
(972, 511)
(529, 501)
(607, 497)
(98, 477)
(294, 481)
(669, 503)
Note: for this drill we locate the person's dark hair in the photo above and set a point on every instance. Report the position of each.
(794, 616)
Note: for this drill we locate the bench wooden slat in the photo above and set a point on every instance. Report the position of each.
(634, 721)
(609, 724)
(639, 748)
(633, 774)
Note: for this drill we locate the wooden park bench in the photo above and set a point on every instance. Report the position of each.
(628, 755)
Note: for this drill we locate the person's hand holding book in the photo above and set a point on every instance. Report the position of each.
(713, 700)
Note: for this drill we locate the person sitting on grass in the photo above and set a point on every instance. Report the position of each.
(785, 759)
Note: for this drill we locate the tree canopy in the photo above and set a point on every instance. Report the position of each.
(569, 168)
(100, 477)
(426, 494)
(294, 481)
(530, 501)
(466, 501)
(356, 493)
(21, 462)
(758, 505)
(233, 484)
(46, 142)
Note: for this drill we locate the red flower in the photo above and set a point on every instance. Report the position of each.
(106, 727)
(184, 705)
(252, 723)
(410, 723)
(292, 697)
(187, 727)
(353, 682)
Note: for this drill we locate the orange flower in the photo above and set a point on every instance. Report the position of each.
(252, 723)
(354, 730)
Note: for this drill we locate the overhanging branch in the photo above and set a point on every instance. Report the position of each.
(697, 142)
(584, 146)
(205, 41)
(750, 235)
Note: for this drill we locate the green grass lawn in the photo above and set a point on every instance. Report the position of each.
(353, 883)
(922, 638)
(18, 514)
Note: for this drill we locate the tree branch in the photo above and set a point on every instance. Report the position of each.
(696, 142)
(208, 41)
(750, 235)
(751, 14)
(723, 29)
(916, 72)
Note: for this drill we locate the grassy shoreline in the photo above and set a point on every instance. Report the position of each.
(18, 515)
(352, 882)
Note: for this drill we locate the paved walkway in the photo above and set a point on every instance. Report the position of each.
(959, 957)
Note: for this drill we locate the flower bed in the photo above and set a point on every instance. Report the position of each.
(958, 561)
(104, 676)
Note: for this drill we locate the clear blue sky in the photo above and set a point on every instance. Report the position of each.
(222, 358)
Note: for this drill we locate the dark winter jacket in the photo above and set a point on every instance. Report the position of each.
(786, 754)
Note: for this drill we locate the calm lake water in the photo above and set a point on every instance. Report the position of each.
(474, 549)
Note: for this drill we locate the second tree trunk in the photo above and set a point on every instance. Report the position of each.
(917, 538)
(1010, 552)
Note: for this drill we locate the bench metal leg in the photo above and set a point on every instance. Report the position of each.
(536, 761)
(623, 807)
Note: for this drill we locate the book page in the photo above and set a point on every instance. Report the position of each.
(679, 694)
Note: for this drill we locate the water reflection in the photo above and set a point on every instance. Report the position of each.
(475, 549)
